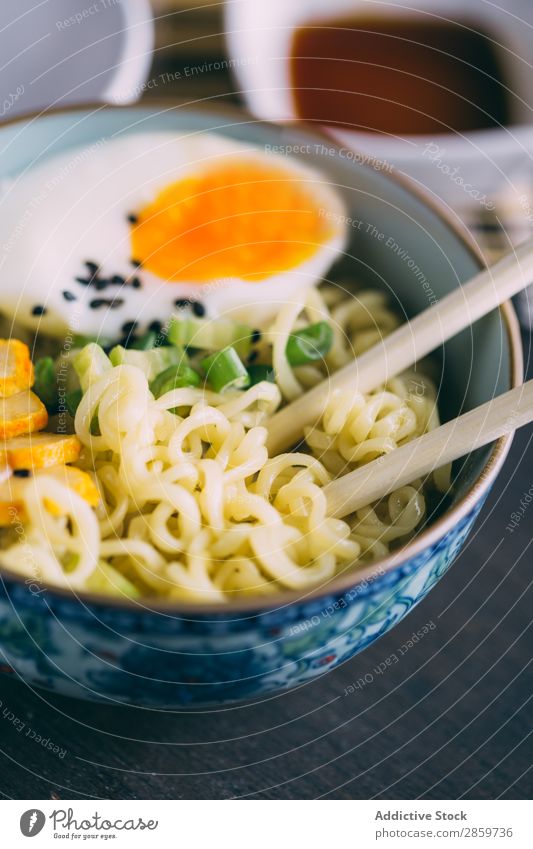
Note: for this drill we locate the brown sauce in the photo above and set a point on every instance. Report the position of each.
(397, 77)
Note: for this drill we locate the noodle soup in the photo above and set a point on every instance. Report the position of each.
(164, 486)
(121, 642)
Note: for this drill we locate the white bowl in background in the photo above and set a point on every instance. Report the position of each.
(463, 170)
(73, 51)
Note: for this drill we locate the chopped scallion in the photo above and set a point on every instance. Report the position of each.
(45, 385)
(72, 401)
(207, 334)
(309, 344)
(145, 342)
(106, 579)
(224, 370)
(174, 377)
(259, 372)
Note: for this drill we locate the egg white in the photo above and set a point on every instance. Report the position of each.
(73, 208)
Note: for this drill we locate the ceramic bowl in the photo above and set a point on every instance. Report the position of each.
(73, 51)
(466, 170)
(188, 655)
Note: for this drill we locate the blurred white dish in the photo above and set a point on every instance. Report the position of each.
(464, 170)
(72, 51)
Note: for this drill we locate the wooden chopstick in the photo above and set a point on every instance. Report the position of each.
(423, 455)
(408, 344)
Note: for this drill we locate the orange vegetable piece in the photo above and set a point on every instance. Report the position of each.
(21, 413)
(40, 450)
(16, 368)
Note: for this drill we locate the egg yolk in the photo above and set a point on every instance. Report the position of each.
(244, 219)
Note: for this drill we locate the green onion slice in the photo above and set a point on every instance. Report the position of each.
(145, 342)
(45, 385)
(207, 334)
(225, 370)
(260, 372)
(309, 344)
(174, 377)
(72, 401)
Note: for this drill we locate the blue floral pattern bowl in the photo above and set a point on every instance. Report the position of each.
(126, 653)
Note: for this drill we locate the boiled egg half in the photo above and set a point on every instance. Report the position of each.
(127, 231)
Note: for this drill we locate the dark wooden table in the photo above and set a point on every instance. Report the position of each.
(452, 719)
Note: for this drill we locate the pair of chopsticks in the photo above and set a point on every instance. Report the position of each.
(397, 352)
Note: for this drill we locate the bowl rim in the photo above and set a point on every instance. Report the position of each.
(350, 579)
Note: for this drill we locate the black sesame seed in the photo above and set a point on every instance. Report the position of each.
(93, 267)
(113, 304)
(38, 310)
(136, 262)
(69, 296)
(256, 336)
(135, 283)
(253, 356)
(198, 309)
(155, 326)
(132, 219)
(98, 283)
(182, 303)
(129, 327)
(22, 473)
(117, 280)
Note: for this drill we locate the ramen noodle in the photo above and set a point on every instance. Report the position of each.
(192, 507)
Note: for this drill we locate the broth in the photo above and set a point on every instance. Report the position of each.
(400, 77)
